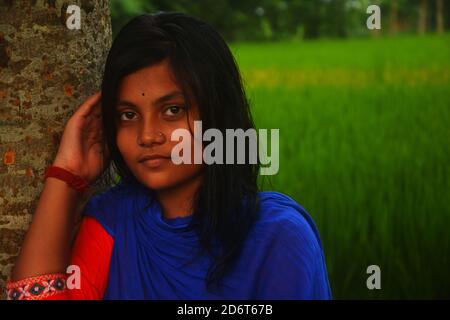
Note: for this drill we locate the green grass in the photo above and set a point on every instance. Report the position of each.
(364, 130)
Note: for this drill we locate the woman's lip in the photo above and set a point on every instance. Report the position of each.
(154, 163)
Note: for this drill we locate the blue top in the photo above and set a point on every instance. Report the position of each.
(282, 257)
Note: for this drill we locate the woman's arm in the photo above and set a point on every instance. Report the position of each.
(46, 247)
(91, 254)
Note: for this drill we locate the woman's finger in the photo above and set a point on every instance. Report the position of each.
(86, 107)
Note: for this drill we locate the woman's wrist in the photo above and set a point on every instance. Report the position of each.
(54, 182)
(62, 165)
(67, 175)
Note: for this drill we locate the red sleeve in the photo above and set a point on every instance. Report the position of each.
(91, 252)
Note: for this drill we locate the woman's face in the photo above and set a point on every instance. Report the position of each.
(150, 106)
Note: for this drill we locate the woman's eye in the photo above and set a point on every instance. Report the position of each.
(128, 115)
(173, 110)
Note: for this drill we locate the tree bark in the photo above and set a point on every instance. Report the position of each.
(440, 16)
(423, 12)
(394, 25)
(46, 71)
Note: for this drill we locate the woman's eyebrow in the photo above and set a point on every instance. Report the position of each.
(157, 101)
(169, 96)
(125, 103)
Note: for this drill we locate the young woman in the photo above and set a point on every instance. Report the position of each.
(165, 231)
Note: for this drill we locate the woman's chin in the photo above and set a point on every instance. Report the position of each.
(156, 183)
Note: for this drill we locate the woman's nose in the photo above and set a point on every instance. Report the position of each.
(150, 137)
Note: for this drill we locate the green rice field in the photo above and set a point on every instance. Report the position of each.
(364, 148)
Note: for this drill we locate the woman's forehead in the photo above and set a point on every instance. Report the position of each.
(154, 80)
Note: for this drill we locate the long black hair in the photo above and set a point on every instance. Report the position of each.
(226, 204)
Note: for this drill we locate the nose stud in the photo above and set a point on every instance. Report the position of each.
(160, 136)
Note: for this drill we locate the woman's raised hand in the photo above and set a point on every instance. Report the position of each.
(82, 150)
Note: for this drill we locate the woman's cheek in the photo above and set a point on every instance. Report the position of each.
(124, 144)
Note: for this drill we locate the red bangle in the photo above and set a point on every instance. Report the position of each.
(72, 180)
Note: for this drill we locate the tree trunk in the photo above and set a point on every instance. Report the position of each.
(440, 16)
(46, 71)
(393, 25)
(422, 23)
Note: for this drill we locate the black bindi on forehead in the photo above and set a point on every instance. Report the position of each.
(143, 94)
